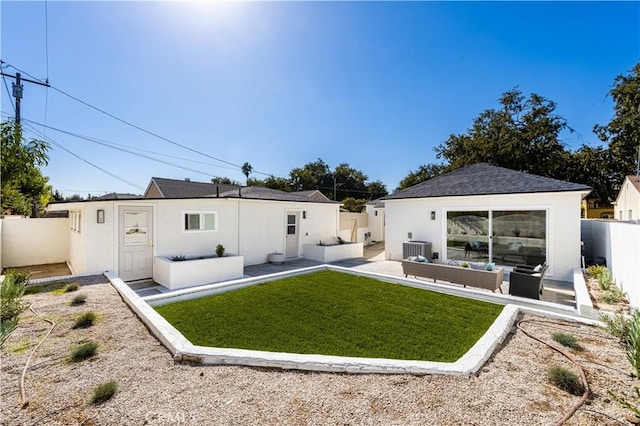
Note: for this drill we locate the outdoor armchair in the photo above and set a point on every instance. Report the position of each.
(525, 281)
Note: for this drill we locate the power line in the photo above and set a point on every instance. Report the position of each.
(114, 144)
(128, 151)
(138, 127)
(9, 93)
(46, 35)
(84, 160)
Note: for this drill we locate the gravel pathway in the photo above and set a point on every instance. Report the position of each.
(511, 389)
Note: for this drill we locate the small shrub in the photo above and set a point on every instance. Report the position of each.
(605, 279)
(596, 270)
(567, 340)
(21, 277)
(85, 320)
(78, 299)
(103, 392)
(84, 351)
(633, 344)
(11, 292)
(6, 328)
(614, 295)
(617, 325)
(71, 287)
(566, 380)
(178, 258)
(219, 250)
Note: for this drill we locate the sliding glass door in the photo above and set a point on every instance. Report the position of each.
(506, 237)
(468, 235)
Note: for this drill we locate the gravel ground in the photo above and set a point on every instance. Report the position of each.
(597, 297)
(512, 388)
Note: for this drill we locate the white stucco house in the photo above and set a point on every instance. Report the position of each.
(627, 204)
(490, 214)
(184, 218)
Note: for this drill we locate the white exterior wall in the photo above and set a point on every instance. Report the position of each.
(263, 227)
(28, 242)
(619, 244)
(90, 249)
(628, 199)
(170, 238)
(414, 216)
(252, 228)
(376, 223)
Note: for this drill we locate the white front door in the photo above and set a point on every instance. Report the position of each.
(292, 232)
(136, 248)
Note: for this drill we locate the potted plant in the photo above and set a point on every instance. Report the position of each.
(220, 250)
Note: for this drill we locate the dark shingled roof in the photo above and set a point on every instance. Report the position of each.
(118, 196)
(173, 188)
(485, 179)
(262, 193)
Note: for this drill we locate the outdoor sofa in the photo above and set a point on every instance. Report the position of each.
(481, 278)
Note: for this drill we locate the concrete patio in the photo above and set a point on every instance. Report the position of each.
(373, 260)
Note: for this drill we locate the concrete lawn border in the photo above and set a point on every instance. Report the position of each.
(183, 351)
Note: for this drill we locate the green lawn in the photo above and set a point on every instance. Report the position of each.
(333, 313)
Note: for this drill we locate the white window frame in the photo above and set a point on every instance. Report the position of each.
(76, 221)
(201, 221)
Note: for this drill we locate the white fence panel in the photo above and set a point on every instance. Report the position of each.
(619, 244)
(28, 242)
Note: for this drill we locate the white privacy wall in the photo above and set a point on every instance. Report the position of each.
(414, 216)
(619, 244)
(28, 241)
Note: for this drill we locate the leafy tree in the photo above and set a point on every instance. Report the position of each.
(354, 205)
(281, 184)
(521, 135)
(224, 181)
(622, 133)
(75, 197)
(376, 189)
(246, 170)
(24, 189)
(348, 182)
(315, 175)
(590, 166)
(57, 196)
(423, 173)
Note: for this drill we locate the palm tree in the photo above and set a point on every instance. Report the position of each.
(246, 170)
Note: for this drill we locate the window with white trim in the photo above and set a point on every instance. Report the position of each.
(200, 221)
(75, 220)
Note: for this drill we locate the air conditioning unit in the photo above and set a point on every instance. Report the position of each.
(416, 248)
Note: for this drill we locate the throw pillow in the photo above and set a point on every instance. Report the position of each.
(490, 266)
(422, 259)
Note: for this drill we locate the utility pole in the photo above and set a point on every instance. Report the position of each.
(18, 89)
(17, 93)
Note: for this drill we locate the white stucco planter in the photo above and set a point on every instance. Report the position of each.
(192, 272)
(332, 253)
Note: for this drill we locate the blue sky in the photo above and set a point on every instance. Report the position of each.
(376, 85)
